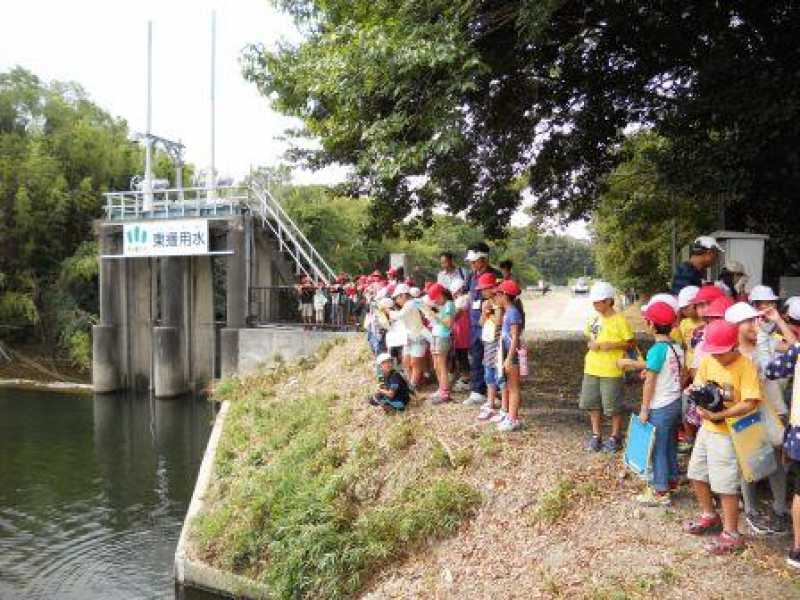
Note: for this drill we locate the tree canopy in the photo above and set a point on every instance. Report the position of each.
(458, 103)
(58, 153)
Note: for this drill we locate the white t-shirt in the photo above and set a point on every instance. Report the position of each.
(665, 359)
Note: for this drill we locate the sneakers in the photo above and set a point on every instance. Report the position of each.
(499, 416)
(461, 386)
(779, 523)
(759, 523)
(486, 413)
(725, 543)
(595, 444)
(508, 424)
(475, 399)
(612, 444)
(793, 559)
(703, 524)
(650, 497)
(438, 398)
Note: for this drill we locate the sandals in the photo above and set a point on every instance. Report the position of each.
(703, 524)
(725, 543)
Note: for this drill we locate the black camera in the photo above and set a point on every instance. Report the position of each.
(710, 396)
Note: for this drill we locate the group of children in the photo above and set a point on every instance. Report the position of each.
(429, 333)
(717, 366)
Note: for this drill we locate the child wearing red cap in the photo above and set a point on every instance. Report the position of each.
(713, 467)
(511, 339)
(441, 320)
(661, 403)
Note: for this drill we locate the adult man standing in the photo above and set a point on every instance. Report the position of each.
(478, 258)
(703, 253)
(450, 272)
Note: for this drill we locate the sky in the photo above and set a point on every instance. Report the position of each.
(102, 45)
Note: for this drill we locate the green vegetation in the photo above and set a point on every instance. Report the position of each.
(476, 106)
(58, 153)
(311, 509)
(553, 504)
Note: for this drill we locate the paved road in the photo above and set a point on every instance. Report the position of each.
(557, 311)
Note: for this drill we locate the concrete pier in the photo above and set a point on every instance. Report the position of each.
(168, 374)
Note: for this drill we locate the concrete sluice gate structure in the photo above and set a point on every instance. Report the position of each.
(178, 269)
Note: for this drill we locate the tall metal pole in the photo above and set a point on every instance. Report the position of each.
(212, 181)
(148, 140)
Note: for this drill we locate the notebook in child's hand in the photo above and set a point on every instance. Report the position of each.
(639, 446)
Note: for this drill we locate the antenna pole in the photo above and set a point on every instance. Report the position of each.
(148, 140)
(212, 181)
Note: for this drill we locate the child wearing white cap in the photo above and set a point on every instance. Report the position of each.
(393, 390)
(748, 319)
(610, 336)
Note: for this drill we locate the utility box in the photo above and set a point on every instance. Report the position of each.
(747, 248)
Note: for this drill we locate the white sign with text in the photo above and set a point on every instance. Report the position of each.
(176, 237)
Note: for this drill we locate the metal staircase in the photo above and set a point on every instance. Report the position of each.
(288, 235)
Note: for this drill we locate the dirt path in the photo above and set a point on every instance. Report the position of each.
(559, 310)
(558, 522)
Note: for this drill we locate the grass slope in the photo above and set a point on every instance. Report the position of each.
(313, 508)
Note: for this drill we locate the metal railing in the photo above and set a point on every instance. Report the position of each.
(282, 304)
(176, 203)
(290, 238)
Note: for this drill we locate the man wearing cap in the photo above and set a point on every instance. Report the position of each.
(478, 258)
(703, 253)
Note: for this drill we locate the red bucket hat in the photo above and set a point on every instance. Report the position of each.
(708, 293)
(720, 337)
(486, 281)
(509, 287)
(660, 313)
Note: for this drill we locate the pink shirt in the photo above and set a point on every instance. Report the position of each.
(461, 330)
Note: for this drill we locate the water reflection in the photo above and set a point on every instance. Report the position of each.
(93, 492)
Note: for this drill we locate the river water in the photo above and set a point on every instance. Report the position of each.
(93, 492)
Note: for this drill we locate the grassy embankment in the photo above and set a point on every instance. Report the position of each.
(313, 507)
(322, 496)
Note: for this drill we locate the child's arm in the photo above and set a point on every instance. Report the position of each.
(737, 410)
(512, 349)
(648, 391)
(606, 346)
(388, 392)
(783, 365)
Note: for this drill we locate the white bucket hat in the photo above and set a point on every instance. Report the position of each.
(401, 288)
(686, 295)
(382, 358)
(668, 299)
(739, 312)
(601, 290)
(734, 266)
(762, 293)
(472, 256)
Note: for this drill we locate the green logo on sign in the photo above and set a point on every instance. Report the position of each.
(137, 236)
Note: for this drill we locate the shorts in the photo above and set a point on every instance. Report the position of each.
(441, 345)
(416, 347)
(490, 375)
(793, 477)
(307, 310)
(514, 357)
(601, 393)
(714, 461)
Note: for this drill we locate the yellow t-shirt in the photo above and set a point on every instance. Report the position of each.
(603, 363)
(682, 334)
(741, 375)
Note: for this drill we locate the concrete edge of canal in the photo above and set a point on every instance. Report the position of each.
(65, 387)
(197, 574)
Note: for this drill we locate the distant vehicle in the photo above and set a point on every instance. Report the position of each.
(543, 287)
(581, 286)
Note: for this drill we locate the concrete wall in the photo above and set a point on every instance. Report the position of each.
(259, 346)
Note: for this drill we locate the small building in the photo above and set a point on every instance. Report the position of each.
(744, 247)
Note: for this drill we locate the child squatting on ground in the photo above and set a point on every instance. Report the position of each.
(610, 336)
(393, 392)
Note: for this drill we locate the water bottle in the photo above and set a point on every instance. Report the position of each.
(522, 355)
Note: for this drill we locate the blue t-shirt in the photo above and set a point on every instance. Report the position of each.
(446, 311)
(511, 317)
